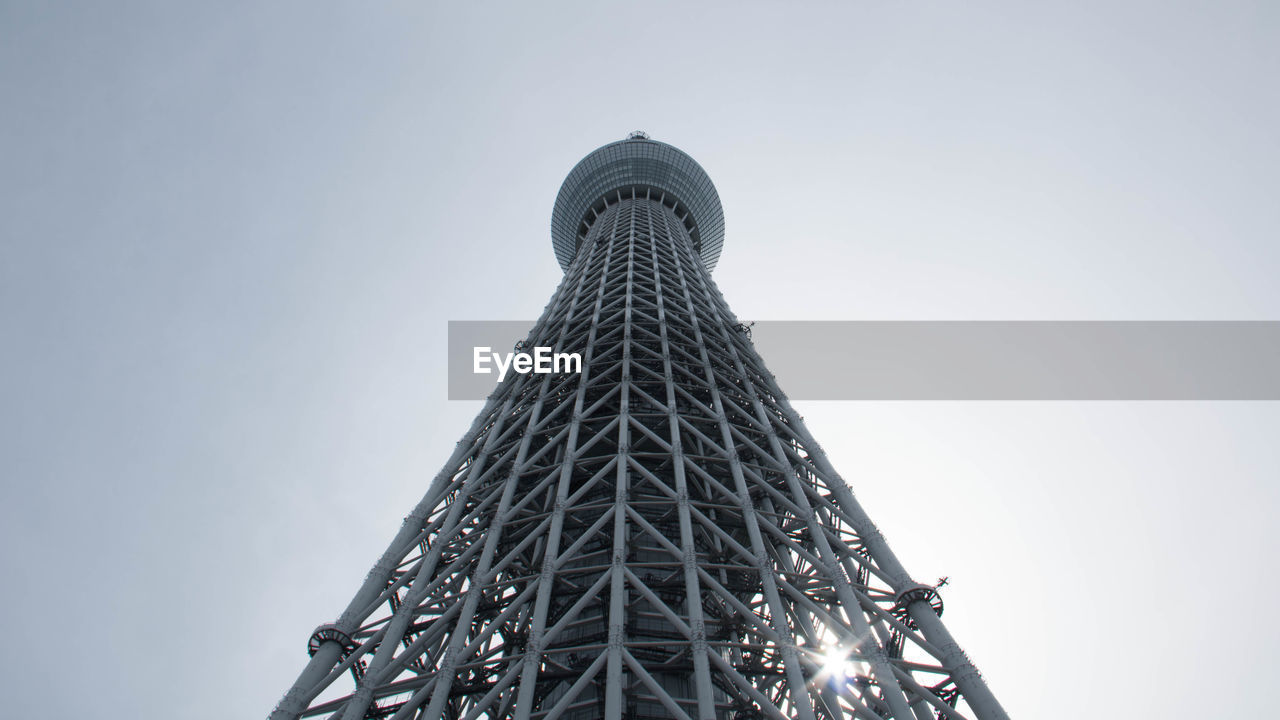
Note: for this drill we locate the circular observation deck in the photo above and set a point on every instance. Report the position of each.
(642, 165)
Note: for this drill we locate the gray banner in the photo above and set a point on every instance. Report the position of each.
(978, 360)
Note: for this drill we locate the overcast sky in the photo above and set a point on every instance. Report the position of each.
(232, 234)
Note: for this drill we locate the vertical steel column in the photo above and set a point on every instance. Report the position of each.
(613, 707)
(693, 589)
(533, 652)
(802, 704)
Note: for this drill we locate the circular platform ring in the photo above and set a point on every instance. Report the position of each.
(330, 633)
(909, 595)
(637, 165)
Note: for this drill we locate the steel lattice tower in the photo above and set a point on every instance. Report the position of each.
(656, 537)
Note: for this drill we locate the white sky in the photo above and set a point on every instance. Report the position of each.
(231, 236)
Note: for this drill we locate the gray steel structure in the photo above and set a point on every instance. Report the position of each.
(657, 536)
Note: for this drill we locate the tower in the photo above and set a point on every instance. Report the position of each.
(656, 536)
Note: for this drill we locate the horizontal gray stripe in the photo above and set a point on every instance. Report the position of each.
(979, 360)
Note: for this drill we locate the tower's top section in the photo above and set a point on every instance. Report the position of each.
(642, 165)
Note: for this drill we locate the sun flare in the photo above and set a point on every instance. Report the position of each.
(838, 665)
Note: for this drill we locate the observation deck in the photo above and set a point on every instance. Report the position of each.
(638, 164)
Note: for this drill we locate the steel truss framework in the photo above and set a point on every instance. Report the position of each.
(656, 537)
